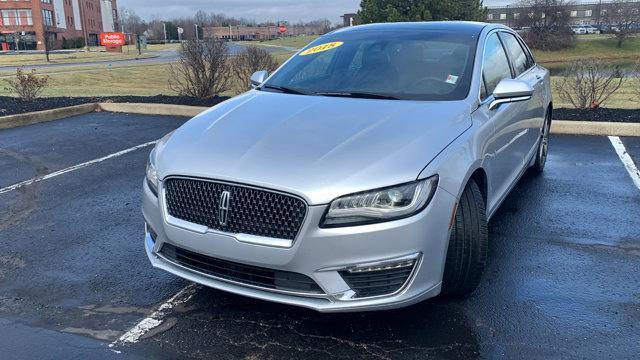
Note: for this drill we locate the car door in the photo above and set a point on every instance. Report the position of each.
(507, 146)
(533, 111)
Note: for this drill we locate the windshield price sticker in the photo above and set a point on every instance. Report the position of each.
(452, 79)
(321, 48)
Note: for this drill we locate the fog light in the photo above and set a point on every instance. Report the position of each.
(383, 278)
(398, 265)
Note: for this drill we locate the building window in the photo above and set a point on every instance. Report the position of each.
(503, 16)
(588, 13)
(47, 17)
(574, 13)
(490, 17)
(516, 16)
(22, 17)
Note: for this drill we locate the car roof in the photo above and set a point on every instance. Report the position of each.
(465, 27)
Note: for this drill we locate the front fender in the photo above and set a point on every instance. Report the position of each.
(456, 164)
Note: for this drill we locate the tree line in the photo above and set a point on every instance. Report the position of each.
(154, 28)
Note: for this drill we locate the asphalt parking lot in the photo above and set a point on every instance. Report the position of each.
(562, 279)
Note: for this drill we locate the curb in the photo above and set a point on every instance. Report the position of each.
(11, 121)
(594, 128)
(557, 126)
(152, 109)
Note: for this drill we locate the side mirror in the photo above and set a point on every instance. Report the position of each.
(510, 90)
(258, 78)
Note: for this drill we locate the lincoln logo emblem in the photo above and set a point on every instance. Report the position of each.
(223, 209)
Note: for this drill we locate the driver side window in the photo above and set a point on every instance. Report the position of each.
(495, 65)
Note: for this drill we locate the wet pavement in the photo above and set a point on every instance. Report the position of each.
(562, 279)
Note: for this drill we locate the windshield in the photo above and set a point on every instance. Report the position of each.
(407, 65)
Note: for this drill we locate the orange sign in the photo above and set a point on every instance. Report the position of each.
(112, 39)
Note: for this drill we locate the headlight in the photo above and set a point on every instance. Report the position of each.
(380, 205)
(152, 174)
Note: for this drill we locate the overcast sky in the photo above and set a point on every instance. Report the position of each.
(260, 10)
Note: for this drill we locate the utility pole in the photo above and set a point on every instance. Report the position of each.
(164, 27)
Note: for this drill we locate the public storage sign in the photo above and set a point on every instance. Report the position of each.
(112, 39)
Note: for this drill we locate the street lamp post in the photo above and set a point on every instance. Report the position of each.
(164, 27)
(84, 27)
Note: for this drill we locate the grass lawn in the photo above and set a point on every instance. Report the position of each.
(153, 79)
(65, 58)
(104, 81)
(141, 80)
(594, 47)
(627, 97)
(150, 47)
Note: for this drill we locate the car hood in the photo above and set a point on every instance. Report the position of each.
(313, 146)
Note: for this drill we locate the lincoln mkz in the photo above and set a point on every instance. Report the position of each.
(358, 176)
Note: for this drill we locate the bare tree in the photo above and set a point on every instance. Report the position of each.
(132, 23)
(547, 23)
(247, 62)
(27, 86)
(587, 84)
(202, 70)
(16, 30)
(625, 16)
(50, 44)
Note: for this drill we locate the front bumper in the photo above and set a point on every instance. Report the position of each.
(319, 254)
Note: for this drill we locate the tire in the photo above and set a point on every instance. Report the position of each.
(543, 147)
(468, 244)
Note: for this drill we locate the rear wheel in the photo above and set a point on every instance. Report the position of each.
(543, 147)
(468, 243)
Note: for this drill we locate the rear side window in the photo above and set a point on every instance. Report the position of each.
(517, 54)
(530, 59)
(495, 64)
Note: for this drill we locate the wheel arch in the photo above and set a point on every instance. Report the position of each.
(480, 177)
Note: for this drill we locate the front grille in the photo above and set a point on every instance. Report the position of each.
(245, 274)
(375, 283)
(250, 211)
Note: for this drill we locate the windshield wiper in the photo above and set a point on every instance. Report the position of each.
(286, 90)
(361, 95)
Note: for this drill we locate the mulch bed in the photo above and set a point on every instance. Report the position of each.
(601, 114)
(11, 105)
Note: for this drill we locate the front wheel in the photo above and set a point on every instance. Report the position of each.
(468, 244)
(543, 147)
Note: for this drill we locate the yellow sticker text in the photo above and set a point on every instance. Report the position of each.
(321, 48)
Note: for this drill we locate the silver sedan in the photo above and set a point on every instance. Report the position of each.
(358, 176)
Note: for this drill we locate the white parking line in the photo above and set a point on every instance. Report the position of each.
(157, 317)
(631, 167)
(75, 167)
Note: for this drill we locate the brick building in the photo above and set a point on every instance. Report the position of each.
(241, 32)
(585, 13)
(349, 19)
(61, 22)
